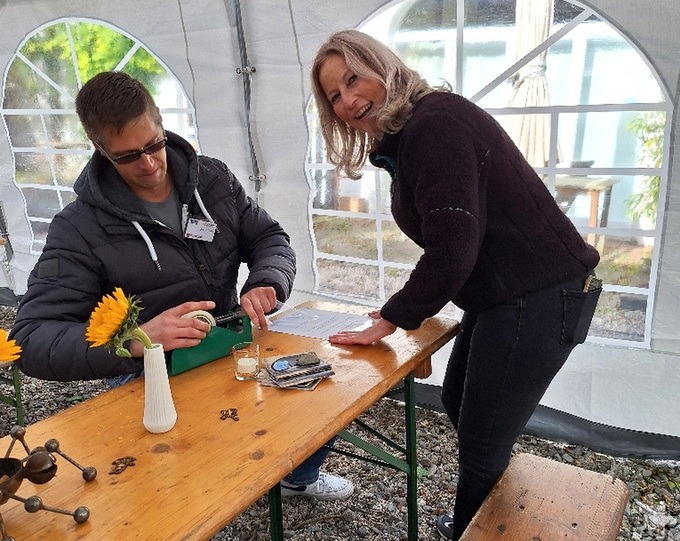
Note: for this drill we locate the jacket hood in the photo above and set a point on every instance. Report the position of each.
(100, 185)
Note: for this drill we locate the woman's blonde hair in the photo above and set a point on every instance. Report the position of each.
(365, 56)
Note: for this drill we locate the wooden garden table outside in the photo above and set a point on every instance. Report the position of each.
(567, 187)
(192, 481)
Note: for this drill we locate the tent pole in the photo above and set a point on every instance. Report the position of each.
(246, 70)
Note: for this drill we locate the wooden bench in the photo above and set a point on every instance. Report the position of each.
(537, 499)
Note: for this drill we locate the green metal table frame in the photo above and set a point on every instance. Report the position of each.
(408, 464)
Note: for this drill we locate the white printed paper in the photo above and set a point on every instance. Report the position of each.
(317, 323)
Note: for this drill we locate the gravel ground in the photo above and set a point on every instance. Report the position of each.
(377, 511)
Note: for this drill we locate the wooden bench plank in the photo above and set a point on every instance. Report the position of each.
(537, 499)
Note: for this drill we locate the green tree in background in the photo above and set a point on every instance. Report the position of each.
(58, 50)
(101, 49)
(649, 129)
(39, 100)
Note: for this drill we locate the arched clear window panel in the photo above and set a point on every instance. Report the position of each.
(579, 100)
(38, 108)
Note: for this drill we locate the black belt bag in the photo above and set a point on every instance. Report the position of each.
(579, 308)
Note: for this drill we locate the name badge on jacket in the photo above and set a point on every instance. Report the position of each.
(200, 230)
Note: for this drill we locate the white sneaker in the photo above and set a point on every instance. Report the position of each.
(326, 487)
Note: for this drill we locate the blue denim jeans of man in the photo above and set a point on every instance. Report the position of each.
(501, 364)
(305, 474)
(308, 472)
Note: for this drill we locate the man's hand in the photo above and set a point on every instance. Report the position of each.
(257, 303)
(379, 330)
(173, 331)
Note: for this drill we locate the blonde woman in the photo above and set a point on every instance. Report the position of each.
(494, 242)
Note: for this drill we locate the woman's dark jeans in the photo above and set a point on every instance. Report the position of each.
(501, 364)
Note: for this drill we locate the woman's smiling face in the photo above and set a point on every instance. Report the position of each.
(354, 98)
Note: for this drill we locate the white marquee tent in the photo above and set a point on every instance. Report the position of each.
(632, 385)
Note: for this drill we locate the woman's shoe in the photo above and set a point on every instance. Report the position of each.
(445, 526)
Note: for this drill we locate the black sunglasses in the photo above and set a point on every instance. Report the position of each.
(134, 156)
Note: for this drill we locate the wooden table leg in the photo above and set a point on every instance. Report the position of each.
(592, 219)
(604, 219)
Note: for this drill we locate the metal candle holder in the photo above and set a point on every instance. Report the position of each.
(39, 467)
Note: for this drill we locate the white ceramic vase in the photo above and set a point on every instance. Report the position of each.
(159, 409)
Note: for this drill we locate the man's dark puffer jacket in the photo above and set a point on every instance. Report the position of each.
(92, 247)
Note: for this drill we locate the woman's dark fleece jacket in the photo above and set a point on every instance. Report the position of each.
(490, 229)
(92, 247)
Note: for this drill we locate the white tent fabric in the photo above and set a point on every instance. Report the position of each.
(636, 389)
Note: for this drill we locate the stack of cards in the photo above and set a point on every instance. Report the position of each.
(301, 371)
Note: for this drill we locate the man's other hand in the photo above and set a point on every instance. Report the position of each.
(257, 303)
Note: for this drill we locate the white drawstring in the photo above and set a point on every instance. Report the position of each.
(202, 206)
(147, 240)
(185, 216)
(149, 245)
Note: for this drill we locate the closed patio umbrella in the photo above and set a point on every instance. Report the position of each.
(532, 132)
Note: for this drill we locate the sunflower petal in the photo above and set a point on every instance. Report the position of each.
(9, 350)
(108, 318)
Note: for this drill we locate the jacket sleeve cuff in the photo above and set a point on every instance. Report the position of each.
(397, 313)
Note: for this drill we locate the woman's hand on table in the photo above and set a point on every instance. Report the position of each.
(379, 330)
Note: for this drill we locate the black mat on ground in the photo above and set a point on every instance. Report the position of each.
(555, 425)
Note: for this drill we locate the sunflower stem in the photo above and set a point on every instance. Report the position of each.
(140, 335)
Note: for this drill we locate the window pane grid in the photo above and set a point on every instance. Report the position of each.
(49, 145)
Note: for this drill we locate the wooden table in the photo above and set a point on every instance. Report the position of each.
(190, 482)
(567, 187)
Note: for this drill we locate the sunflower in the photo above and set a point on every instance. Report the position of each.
(114, 321)
(9, 351)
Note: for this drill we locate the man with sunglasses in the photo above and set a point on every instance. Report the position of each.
(166, 225)
(156, 219)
